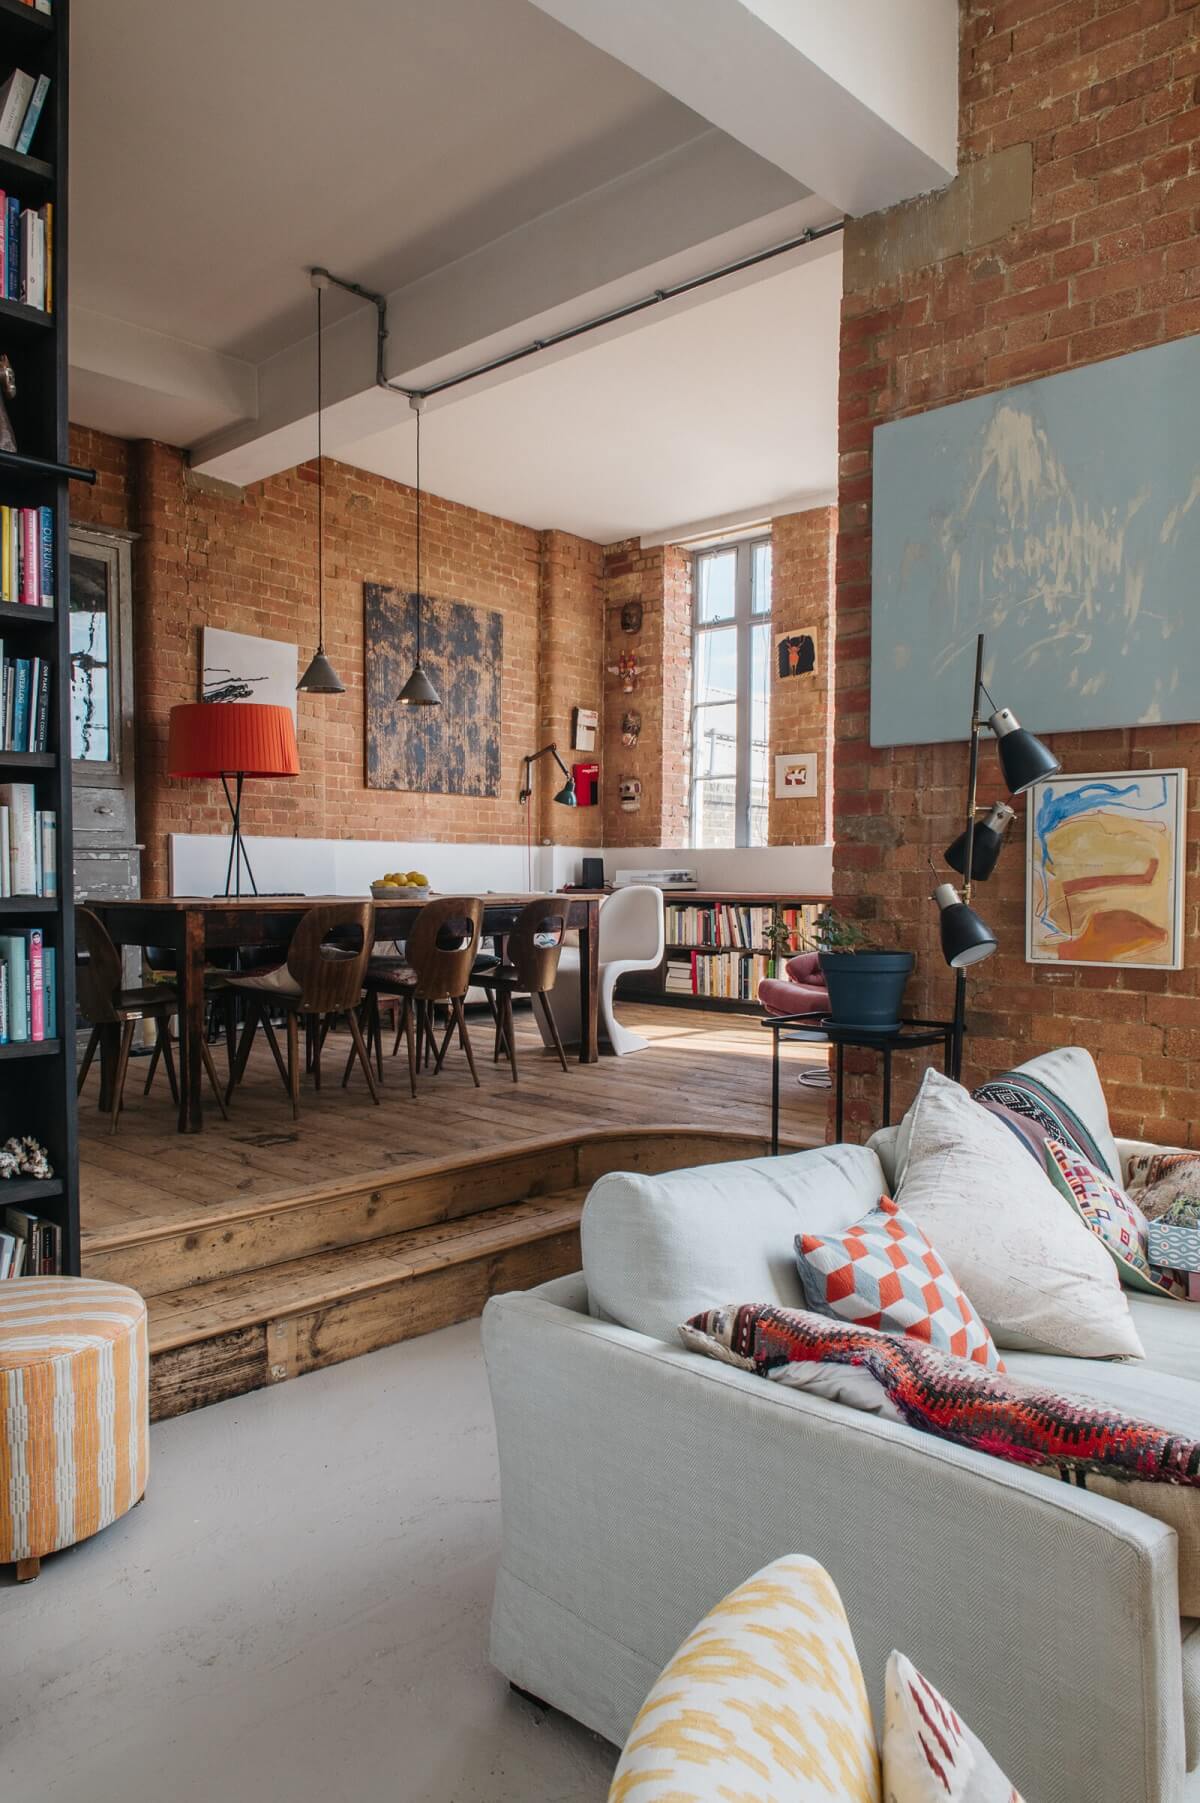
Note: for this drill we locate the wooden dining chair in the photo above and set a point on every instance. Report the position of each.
(438, 967)
(113, 1012)
(530, 967)
(319, 981)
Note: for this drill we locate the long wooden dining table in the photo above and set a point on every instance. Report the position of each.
(191, 926)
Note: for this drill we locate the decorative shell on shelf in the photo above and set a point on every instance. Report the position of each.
(24, 1158)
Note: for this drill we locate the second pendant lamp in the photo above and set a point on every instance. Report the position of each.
(320, 678)
(418, 691)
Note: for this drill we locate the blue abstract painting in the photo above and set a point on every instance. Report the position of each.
(1062, 519)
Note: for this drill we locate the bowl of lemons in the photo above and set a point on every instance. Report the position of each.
(402, 885)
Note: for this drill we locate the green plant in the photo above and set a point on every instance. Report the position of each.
(1183, 1212)
(832, 932)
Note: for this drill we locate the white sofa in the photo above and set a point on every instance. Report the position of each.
(641, 1482)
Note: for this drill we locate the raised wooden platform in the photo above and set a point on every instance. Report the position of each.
(383, 1234)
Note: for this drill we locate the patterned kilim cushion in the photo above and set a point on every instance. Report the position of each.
(883, 1272)
(1112, 1216)
(929, 1753)
(1019, 1094)
(1159, 1178)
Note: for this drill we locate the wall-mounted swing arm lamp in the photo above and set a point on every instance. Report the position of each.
(967, 939)
(566, 795)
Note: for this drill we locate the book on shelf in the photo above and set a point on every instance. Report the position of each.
(735, 926)
(22, 98)
(27, 556)
(28, 843)
(28, 979)
(24, 702)
(26, 254)
(729, 976)
(30, 1246)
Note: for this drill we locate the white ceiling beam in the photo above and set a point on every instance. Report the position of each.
(859, 100)
(683, 213)
(138, 383)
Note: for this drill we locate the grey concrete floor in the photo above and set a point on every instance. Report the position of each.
(297, 1611)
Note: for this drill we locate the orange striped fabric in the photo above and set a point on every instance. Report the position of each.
(74, 1410)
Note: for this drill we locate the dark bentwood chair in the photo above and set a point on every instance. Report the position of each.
(319, 982)
(529, 968)
(113, 1012)
(438, 966)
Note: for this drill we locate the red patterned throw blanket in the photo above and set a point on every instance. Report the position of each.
(955, 1399)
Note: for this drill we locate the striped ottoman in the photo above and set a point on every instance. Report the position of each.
(74, 1412)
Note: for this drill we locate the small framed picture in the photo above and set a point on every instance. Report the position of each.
(795, 653)
(1105, 869)
(796, 776)
(584, 722)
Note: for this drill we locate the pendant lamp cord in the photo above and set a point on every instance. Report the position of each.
(418, 414)
(320, 493)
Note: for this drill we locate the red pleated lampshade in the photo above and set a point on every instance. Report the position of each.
(227, 738)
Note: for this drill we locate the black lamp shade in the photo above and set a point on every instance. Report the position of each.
(965, 938)
(566, 795)
(418, 691)
(989, 843)
(321, 678)
(1023, 759)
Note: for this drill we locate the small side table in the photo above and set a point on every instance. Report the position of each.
(816, 1028)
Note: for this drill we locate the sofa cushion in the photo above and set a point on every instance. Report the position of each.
(1041, 1281)
(1112, 1216)
(1170, 1334)
(1061, 1091)
(883, 1272)
(929, 1753)
(657, 1249)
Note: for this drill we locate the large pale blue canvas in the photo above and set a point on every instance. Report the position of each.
(1061, 518)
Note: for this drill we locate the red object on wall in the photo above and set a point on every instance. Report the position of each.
(587, 784)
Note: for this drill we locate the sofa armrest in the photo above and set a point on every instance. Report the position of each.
(641, 1482)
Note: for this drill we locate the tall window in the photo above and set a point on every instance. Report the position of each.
(731, 694)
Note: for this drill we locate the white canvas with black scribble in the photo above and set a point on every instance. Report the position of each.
(237, 667)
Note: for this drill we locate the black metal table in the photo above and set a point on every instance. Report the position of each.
(815, 1028)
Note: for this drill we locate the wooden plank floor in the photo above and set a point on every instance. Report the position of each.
(705, 1069)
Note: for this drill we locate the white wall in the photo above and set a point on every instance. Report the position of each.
(347, 866)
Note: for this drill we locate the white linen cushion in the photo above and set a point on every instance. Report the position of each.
(659, 1249)
(1039, 1278)
(929, 1753)
(1071, 1073)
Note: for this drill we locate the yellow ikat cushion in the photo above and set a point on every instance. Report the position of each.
(764, 1700)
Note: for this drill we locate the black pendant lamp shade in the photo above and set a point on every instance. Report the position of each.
(418, 691)
(965, 938)
(320, 678)
(989, 843)
(1023, 759)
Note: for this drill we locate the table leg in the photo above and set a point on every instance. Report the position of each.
(775, 1095)
(589, 986)
(191, 1022)
(887, 1086)
(841, 1075)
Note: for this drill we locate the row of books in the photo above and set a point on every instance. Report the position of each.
(29, 1245)
(22, 98)
(24, 702)
(28, 843)
(27, 556)
(801, 924)
(28, 987)
(27, 253)
(735, 926)
(733, 976)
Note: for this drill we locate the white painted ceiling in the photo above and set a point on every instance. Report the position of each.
(729, 407)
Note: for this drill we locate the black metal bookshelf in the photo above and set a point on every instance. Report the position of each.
(37, 1077)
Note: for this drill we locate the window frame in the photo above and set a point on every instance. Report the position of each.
(743, 620)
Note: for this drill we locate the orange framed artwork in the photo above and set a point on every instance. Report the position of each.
(1106, 869)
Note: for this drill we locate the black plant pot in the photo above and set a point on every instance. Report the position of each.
(866, 988)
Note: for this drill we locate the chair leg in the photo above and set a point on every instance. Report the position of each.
(155, 1055)
(243, 1052)
(440, 1058)
(110, 1048)
(27, 1570)
(463, 1036)
(360, 1051)
(210, 1067)
(293, 1060)
(231, 1014)
(407, 1008)
(163, 1040)
(509, 1034)
(119, 1075)
(269, 1029)
(85, 1067)
(548, 1017)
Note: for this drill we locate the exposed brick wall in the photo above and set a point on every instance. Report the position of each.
(660, 578)
(570, 675)
(109, 501)
(1104, 93)
(802, 566)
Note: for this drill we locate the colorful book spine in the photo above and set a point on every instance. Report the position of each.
(50, 978)
(31, 557)
(20, 724)
(37, 986)
(33, 113)
(12, 280)
(46, 539)
(15, 953)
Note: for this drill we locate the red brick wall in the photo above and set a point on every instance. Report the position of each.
(1106, 95)
(660, 577)
(245, 560)
(570, 675)
(802, 565)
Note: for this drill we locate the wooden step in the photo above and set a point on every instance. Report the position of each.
(220, 1338)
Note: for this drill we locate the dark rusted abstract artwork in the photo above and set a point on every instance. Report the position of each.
(449, 750)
